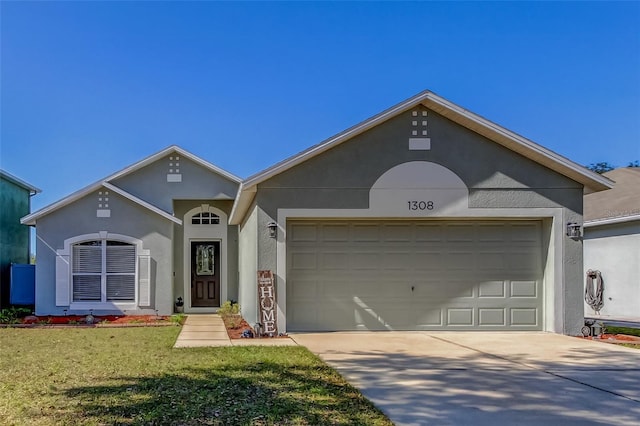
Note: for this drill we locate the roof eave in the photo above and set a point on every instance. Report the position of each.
(32, 218)
(242, 204)
(611, 220)
(591, 181)
(16, 180)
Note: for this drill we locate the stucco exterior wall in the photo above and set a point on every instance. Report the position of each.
(126, 218)
(14, 237)
(248, 266)
(150, 183)
(614, 250)
(497, 178)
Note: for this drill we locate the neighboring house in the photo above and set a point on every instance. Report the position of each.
(612, 243)
(423, 217)
(15, 202)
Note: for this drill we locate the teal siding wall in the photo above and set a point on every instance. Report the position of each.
(14, 237)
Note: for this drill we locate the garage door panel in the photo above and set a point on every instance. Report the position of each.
(459, 261)
(365, 261)
(335, 260)
(414, 275)
(491, 233)
(526, 232)
(524, 261)
(427, 232)
(427, 261)
(460, 317)
(424, 317)
(528, 317)
(460, 233)
(304, 232)
(366, 232)
(301, 289)
(400, 260)
(492, 316)
(524, 289)
(492, 289)
(304, 261)
(397, 233)
(335, 233)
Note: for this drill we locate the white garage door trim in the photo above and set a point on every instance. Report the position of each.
(553, 304)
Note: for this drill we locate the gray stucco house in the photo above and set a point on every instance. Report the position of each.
(612, 244)
(423, 217)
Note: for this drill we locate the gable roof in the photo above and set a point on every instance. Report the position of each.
(107, 182)
(592, 181)
(17, 181)
(618, 204)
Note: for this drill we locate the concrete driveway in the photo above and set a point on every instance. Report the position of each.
(443, 378)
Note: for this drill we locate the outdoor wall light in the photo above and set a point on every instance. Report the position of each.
(574, 230)
(273, 229)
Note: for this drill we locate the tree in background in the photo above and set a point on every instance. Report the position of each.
(604, 167)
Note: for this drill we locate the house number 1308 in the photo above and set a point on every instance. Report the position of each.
(420, 205)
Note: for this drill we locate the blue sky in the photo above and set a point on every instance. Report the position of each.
(88, 88)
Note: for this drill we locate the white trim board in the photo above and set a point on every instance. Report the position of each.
(553, 311)
(192, 233)
(142, 203)
(611, 220)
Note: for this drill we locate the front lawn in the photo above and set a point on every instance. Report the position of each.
(109, 376)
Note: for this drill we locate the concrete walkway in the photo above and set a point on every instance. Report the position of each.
(208, 330)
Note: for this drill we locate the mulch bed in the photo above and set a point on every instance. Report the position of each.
(237, 325)
(33, 321)
(616, 338)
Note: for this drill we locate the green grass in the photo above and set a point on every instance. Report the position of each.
(105, 376)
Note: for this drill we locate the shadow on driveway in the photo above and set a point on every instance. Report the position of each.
(421, 378)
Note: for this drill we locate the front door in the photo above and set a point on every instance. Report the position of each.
(205, 274)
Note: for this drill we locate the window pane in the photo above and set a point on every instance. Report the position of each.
(215, 219)
(121, 287)
(121, 258)
(205, 261)
(117, 243)
(86, 288)
(87, 259)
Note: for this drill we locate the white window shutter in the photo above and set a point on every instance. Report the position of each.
(144, 280)
(62, 280)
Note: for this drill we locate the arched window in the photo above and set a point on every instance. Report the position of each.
(103, 270)
(205, 218)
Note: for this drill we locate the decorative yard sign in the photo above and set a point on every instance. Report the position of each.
(267, 303)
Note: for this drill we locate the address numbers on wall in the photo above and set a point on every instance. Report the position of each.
(420, 205)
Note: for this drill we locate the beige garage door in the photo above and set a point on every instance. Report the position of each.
(414, 275)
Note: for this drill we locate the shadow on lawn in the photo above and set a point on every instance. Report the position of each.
(264, 393)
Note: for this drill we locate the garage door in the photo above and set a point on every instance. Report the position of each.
(414, 275)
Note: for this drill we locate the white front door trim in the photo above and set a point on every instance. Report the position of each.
(217, 232)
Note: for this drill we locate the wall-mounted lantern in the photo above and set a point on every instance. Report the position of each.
(273, 229)
(574, 230)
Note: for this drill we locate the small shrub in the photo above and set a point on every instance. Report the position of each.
(228, 308)
(12, 315)
(177, 319)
